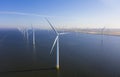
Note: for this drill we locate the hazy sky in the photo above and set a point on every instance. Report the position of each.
(67, 13)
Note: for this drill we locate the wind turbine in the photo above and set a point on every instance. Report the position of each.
(102, 35)
(33, 38)
(102, 30)
(27, 35)
(24, 31)
(34, 45)
(56, 41)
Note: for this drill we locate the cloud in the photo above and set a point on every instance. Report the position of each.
(21, 13)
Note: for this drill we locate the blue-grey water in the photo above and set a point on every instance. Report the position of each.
(81, 55)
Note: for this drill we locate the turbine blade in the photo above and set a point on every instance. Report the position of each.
(53, 44)
(51, 26)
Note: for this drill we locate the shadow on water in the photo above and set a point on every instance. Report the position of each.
(40, 69)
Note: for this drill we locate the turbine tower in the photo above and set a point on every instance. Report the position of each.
(33, 36)
(56, 41)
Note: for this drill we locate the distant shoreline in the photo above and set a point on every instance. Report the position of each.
(110, 32)
(101, 34)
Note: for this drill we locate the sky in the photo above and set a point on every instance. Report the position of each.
(61, 13)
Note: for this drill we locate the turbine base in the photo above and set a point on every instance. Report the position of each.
(57, 67)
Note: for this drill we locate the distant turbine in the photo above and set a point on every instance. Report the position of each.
(33, 42)
(33, 39)
(56, 41)
(27, 35)
(102, 30)
(102, 35)
(24, 31)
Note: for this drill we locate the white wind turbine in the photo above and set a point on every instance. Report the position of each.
(33, 39)
(24, 31)
(26, 34)
(56, 41)
(102, 32)
(102, 35)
